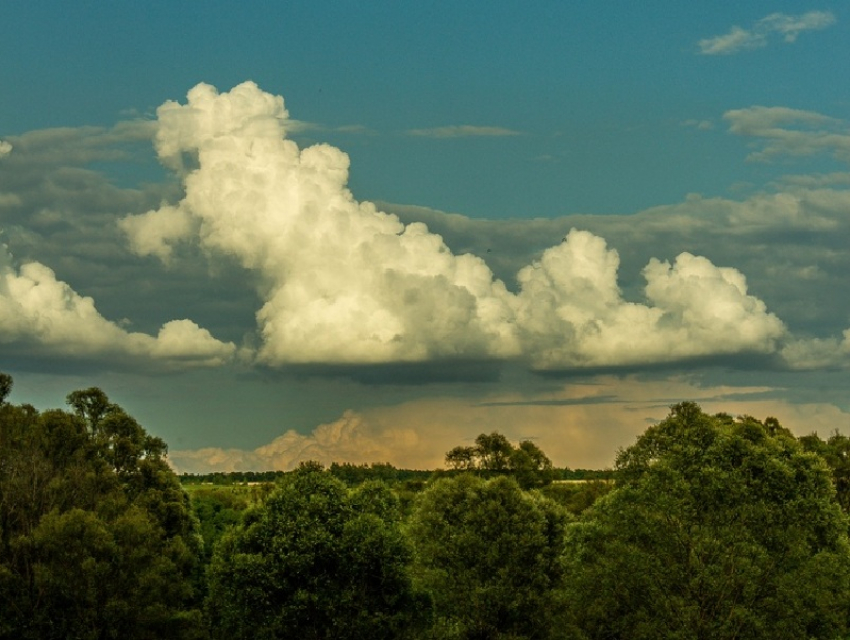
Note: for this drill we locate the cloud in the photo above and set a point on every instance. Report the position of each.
(5, 148)
(816, 180)
(818, 353)
(342, 281)
(791, 26)
(345, 283)
(60, 210)
(79, 145)
(786, 26)
(791, 245)
(701, 125)
(154, 233)
(463, 131)
(784, 131)
(695, 309)
(736, 40)
(349, 439)
(48, 316)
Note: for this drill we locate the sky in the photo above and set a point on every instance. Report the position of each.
(369, 232)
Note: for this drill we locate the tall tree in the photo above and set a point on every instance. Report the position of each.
(316, 561)
(494, 454)
(835, 450)
(5, 386)
(96, 536)
(719, 528)
(489, 553)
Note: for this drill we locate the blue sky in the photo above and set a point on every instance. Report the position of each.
(698, 150)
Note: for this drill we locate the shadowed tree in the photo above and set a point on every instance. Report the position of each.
(489, 553)
(96, 536)
(5, 386)
(718, 528)
(494, 454)
(316, 561)
(835, 450)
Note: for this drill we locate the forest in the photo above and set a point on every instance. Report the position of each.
(708, 527)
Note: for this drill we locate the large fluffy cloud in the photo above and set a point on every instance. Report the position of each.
(343, 282)
(791, 244)
(49, 317)
(696, 309)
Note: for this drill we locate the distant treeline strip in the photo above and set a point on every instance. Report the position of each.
(353, 474)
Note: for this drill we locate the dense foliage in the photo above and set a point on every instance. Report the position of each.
(316, 560)
(716, 527)
(719, 528)
(494, 454)
(97, 539)
(489, 553)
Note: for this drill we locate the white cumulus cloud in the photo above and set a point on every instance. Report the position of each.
(350, 438)
(343, 282)
(695, 309)
(46, 313)
(154, 232)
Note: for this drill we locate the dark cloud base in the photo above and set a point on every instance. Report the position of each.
(403, 374)
(752, 362)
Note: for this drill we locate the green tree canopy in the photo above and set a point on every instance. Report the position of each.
(719, 528)
(493, 454)
(96, 536)
(836, 451)
(489, 553)
(316, 561)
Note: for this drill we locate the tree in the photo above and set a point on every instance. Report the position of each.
(218, 509)
(718, 528)
(91, 405)
(530, 466)
(836, 452)
(494, 454)
(462, 458)
(316, 560)
(5, 386)
(96, 536)
(489, 553)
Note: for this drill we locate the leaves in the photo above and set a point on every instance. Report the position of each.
(490, 555)
(316, 561)
(96, 535)
(718, 528)
(494, 454)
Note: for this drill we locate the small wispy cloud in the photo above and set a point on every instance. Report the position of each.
(813, 181)
(294, 126)
(782, 131)
(702, 125)
(356, 129)
(463, 131)
(780, 24)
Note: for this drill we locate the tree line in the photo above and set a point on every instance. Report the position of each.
(716, 527)
(357, 473)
